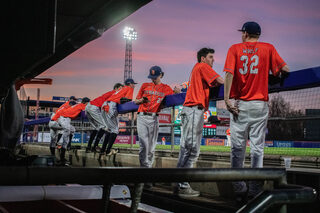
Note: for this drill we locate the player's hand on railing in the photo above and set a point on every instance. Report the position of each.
(176, 90)
(141, 100)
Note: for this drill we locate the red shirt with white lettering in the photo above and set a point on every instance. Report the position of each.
(155, 95)
(71, 112)
(250, 63)
(202, 78)
(63, 106)
(126, 92)
(101, 99)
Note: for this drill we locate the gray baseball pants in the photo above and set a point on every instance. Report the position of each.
(95, 117)
(250, 123)
(110, 118)
(148, 129)
(191, 134)
(54, 131)
(68, 129)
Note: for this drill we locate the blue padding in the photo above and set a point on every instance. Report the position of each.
(127, 107)
(174, 100)
(38, 121)
(297, 80)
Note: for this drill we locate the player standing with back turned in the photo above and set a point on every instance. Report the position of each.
(247, 69)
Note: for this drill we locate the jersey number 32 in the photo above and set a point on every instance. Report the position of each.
(253, 62)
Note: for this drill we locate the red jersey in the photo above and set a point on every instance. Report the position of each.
(250, 63)
(63, 106)
(201, 79)
(155, 95)
(71, 112)
(125, 91)
(101, 99)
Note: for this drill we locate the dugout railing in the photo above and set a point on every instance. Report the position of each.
(281, 194)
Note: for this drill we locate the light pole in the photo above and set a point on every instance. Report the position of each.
(129, 34)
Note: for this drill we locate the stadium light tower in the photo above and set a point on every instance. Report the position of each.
(129, 34)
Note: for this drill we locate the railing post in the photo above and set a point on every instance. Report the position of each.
(42, 132)
(172, 129)
(131, 128)
(106, 196)
(82, 134)
(138, 188)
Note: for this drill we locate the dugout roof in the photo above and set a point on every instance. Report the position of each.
(39, 33)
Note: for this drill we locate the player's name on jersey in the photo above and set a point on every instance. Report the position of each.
(250, 51)
(150, 92)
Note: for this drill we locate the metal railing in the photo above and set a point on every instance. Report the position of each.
(282, 193)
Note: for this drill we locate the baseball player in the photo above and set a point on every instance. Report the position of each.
(110, 115)
(228, 134)
(55, 128)
(192, 119)
(63, 117)
(247, 68)
(150, 98)
(93, 112)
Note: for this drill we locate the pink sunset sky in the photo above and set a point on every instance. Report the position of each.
(170, 32)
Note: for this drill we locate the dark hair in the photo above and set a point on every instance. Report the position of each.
(85, 100)
(253, 35)
(203, 53)
(72, 103)
(117, 85)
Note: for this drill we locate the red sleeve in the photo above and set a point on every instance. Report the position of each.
(208, 74)
(276, 61)
(107, 95)
(74, 111)
(129, 93)
(56, 116)
(63, 106)
(140, 93)
(230, 64)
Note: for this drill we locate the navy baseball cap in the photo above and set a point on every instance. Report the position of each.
(72, 98)
(155, 71)
(85, 100)
(251, 27)
(129, 81)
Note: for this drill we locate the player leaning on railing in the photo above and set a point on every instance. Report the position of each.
(196, 103)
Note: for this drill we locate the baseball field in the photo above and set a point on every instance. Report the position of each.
(268, 150)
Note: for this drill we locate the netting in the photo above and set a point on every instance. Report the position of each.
(294, 122)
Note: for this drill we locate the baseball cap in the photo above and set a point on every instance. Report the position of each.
(72, 98)
(155, 71)
(251, 27)
(85, 100)
(129, 81)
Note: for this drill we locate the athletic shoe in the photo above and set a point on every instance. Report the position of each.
(109, 153)
(97, 149)
(186, 192)
(114, 151)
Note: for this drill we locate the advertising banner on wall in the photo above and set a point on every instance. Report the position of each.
(125, 139)
(214, 142)
(165, 118)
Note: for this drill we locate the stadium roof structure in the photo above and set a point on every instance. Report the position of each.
(37, 34)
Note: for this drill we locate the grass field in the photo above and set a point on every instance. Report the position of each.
(267, 151)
